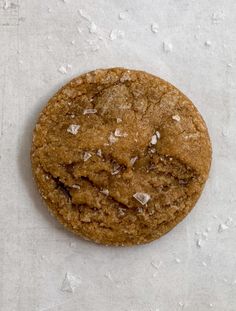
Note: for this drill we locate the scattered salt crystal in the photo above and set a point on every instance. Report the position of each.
(92, 28)
(154, 140)
(64, 69)
(116, 34)
(229, 221)
(84, 15)
(155, 137)
(199, 243)
(229, 65)
(70, 283)
(73, 129)
(176, 118)
(177, 260)
(99, 152)
(73, 42)
(112, 139)
(204, 263)
(142, 197)
(75, 186)
(123, 15)
(133, 160)
(90, 111)
(207, 43)
(217, 17)
(118, 120)
(105, 191)
(116, 169)
(167, 47)
(222, 227)
(181, 304)
(121, 212)
(6, 5)
(158, 135)
(87, 156)
(108, 276)
(118, 133)
(211, 305)
(154, 27)
(49, 10)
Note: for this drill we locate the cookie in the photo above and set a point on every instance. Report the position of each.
(120, 156)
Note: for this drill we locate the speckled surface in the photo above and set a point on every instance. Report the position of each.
(44, 45)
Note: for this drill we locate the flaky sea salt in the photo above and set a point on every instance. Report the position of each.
(89, 111)
(116, 34)
(142, 197)
(99, 153)
(207, 43)
(75, 186)
(167, 47)
(70, 283)
(119, 133)
(176, 118)
(155, 138)
(92, 28)
(87, 156)
(118, 120)
(62, 69)
(105, 191)
(112, 139)
(123, 15)
(116, 169)
(154, 27)
(133, 160)
(222, 227)
(73, 129)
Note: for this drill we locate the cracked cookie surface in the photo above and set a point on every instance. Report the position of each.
(120, 156)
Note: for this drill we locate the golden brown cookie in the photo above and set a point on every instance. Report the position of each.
(120, 156)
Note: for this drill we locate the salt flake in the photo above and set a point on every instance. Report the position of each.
(105, 191)
(116, 169)
(87, 156)
(123, 15)
(112, 139)
(142, 197)
(118, 120)
(89, 111)
(154, 27)
(176, 118)
(75, 186)
(222, 227)
(99, 153)
(118, 133)
(133, 160)
(70, 283)
(116, 34)
(92, 28)
(167, 47)
(73, 129)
